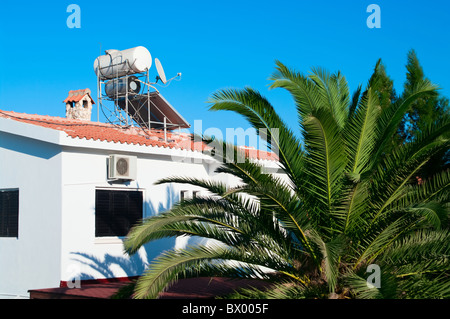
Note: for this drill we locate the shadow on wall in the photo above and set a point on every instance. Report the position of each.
(171, 197)
(109, 266)
(28, 146)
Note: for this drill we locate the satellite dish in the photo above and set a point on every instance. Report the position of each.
(159, 68)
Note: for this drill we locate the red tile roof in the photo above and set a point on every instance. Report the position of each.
(77, 95)
(90, 291)
(192, 288)
(126, 135)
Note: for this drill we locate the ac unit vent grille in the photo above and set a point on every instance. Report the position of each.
(122, 167)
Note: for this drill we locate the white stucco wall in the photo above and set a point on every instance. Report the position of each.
(31, 260)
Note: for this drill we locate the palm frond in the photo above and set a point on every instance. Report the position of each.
(360, 133)
(394, 173)
(330, 253)
(261, 115)
(211, 260)
(166, 269)
(326, 161)
(355, 101)
(422, 245)
(376, 243)
(212, 211)
(392, 116)
(362, 288)
(215, 188)
(301, 87)
(424, 287)
(281, 290)
(420, 261)
(432, 189)
(334, 94)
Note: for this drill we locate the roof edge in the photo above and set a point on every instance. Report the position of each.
(31, 131)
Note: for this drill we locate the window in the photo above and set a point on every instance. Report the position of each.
(195, 194)
(183, 196)
(9, 213)
(85, 104)
(116, 212)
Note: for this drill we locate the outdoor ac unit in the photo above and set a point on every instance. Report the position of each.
(122, 167)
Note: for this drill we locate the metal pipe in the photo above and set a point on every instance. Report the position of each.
(98, 98)
(148, 102)
(126, 98)
(165, 129)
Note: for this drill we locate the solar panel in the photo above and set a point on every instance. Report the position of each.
(138, 108)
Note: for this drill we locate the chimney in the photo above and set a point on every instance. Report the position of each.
(79, 105)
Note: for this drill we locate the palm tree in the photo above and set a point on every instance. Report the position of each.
(347, 201)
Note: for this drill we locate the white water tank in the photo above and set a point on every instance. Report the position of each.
(118, 87)
(117, 63)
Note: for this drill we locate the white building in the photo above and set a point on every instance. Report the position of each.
(61, 215)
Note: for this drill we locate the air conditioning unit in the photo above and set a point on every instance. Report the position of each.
(122, 167)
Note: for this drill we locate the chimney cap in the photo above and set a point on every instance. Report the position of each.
(77, 95)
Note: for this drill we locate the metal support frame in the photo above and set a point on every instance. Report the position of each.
(120, 116)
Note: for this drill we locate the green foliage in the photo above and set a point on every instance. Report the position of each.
(424, 112)
(348, 199)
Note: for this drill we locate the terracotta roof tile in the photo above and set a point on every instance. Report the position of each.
(77, 95)
(192, 288)
(107, 132)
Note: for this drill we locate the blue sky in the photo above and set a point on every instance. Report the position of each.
(216, 45)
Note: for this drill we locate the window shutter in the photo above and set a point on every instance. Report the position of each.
(117, 211)
(9, 213)
(102, 213)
